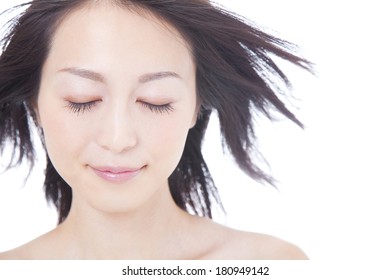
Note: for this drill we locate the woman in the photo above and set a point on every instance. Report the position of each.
(122, 92)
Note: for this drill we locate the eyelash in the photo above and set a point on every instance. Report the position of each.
(78, 108)
(158, 109)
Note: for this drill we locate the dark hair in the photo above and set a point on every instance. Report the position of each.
(235, 76)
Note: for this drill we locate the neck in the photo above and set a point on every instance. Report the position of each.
(153, 231)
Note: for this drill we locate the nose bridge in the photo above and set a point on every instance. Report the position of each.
(117, 131)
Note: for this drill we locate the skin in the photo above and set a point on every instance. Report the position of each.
(135, 219)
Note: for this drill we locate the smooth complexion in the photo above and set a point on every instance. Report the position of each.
(116, 102)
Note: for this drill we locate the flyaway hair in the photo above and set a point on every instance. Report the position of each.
(236, 77)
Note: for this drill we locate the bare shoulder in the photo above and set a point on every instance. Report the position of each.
(35, 249)
(271, 248)
(235, 244)
(14, 254)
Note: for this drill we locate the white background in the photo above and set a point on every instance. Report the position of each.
(333, 199)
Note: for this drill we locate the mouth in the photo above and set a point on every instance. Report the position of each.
(116, 174)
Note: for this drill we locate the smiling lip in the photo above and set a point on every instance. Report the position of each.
(116, 174)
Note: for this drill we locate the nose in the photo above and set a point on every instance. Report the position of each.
(117, 130)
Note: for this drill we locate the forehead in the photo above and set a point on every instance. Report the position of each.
(108, 35)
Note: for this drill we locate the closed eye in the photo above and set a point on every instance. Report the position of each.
(78, 108)
(158, 109)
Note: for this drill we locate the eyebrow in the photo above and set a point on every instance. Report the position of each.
(84, 73)
(157, 76)
(98, 77)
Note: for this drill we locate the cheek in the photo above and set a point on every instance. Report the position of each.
(63, 139)
(165, 142)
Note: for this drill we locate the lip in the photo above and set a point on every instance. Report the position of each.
(116, 174)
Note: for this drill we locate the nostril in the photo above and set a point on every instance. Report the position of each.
(118, 141)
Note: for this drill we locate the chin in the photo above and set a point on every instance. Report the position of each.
(119, 201)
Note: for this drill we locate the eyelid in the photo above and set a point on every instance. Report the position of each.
(163, 108)
(81, 107)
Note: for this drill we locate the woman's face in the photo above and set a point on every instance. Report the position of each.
(116, 101)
